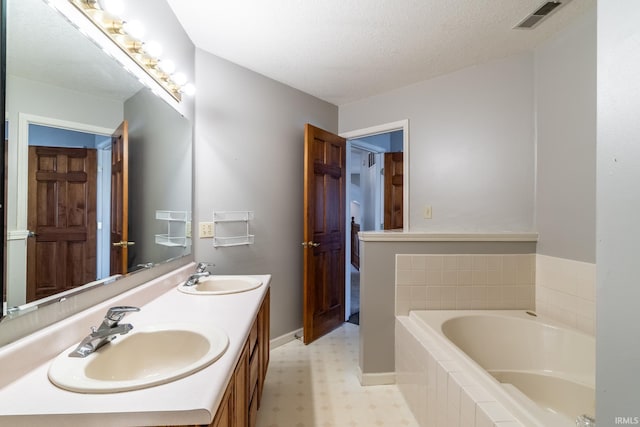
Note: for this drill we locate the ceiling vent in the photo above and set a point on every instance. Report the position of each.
(539, 15)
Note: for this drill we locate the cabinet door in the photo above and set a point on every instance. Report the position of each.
(223, 417)
(263, 342)
(241, 390)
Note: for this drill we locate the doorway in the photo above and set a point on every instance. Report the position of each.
(366, 151)
(68, 191)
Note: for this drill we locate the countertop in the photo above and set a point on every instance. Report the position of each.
(31, 399)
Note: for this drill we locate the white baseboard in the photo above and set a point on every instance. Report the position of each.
(283, 339)
(380, 378)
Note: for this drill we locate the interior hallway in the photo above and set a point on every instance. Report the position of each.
(317, 385)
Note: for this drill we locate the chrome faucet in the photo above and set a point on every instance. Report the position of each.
(201, 271)
(585, 421)
(108, 330)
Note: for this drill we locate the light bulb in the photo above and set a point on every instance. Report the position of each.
(179, 78)
(153, 48)
(135, 29)
(189, 89)
(168, 66)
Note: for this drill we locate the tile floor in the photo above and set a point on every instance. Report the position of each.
(316, 385)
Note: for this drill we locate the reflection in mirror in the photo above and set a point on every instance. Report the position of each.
(73, 187)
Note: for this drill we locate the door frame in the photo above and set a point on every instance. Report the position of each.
(17, 262)
(402, 125)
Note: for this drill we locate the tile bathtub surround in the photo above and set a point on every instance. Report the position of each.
(436, 389)
(317, 386)
(566, 291)
(464, 282)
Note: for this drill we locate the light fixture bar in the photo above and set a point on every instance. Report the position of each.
(131, 47)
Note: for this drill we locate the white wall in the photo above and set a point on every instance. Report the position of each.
(565, 84)
(618, 204)
(471, 145)
(249, 141)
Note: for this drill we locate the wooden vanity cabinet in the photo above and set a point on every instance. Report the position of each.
(241, 400)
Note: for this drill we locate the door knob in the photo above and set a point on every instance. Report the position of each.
(310, 243)
(124, 244)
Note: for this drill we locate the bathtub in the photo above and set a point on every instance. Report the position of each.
(470, 368)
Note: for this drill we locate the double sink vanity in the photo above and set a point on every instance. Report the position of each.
(182, 349)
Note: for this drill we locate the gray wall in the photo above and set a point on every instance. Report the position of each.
(377, 292)
(160, 173)
(565, 82)
(471, 145)
(618, 233)
(249, 154)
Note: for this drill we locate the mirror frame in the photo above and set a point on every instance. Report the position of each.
(3, 211)
(34, 316)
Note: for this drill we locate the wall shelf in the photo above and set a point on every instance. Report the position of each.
(231, 228)
(178, 225)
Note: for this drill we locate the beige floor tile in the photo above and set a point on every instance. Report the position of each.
(317, 386)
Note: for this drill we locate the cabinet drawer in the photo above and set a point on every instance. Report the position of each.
(254, 373)
(253, 337)
(253, 410)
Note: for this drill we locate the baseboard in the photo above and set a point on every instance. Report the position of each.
(283, 339)
(380, 378)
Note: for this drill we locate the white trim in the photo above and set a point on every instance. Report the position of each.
(284, 339)
(380, 378)
(391, 236)
(17, 234)
(375, 130)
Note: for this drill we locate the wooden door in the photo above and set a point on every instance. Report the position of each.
(61, 254)
(324, 232)
(120, 200)
(393, 190)
(355, 244)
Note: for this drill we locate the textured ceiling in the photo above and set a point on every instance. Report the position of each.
(346, 50)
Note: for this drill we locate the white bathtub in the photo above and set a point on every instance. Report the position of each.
(535, 372)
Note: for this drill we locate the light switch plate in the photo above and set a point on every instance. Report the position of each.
(427, 212)
(206, 230)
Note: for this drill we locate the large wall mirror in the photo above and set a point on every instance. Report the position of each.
(70, 112)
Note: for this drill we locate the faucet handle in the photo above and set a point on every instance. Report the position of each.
(202, 266)
(115, 314)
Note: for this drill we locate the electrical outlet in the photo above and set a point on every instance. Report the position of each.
(206, 230)
(187, 229)
(427, 212)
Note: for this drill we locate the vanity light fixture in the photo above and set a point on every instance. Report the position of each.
(127, 36)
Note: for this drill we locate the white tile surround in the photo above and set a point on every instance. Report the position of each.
(437, 390)
(464, 282)
(566, 291)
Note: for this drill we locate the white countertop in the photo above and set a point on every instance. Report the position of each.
(31, 399)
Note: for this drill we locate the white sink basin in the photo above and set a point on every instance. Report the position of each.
(218, 285)
(145, 357)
